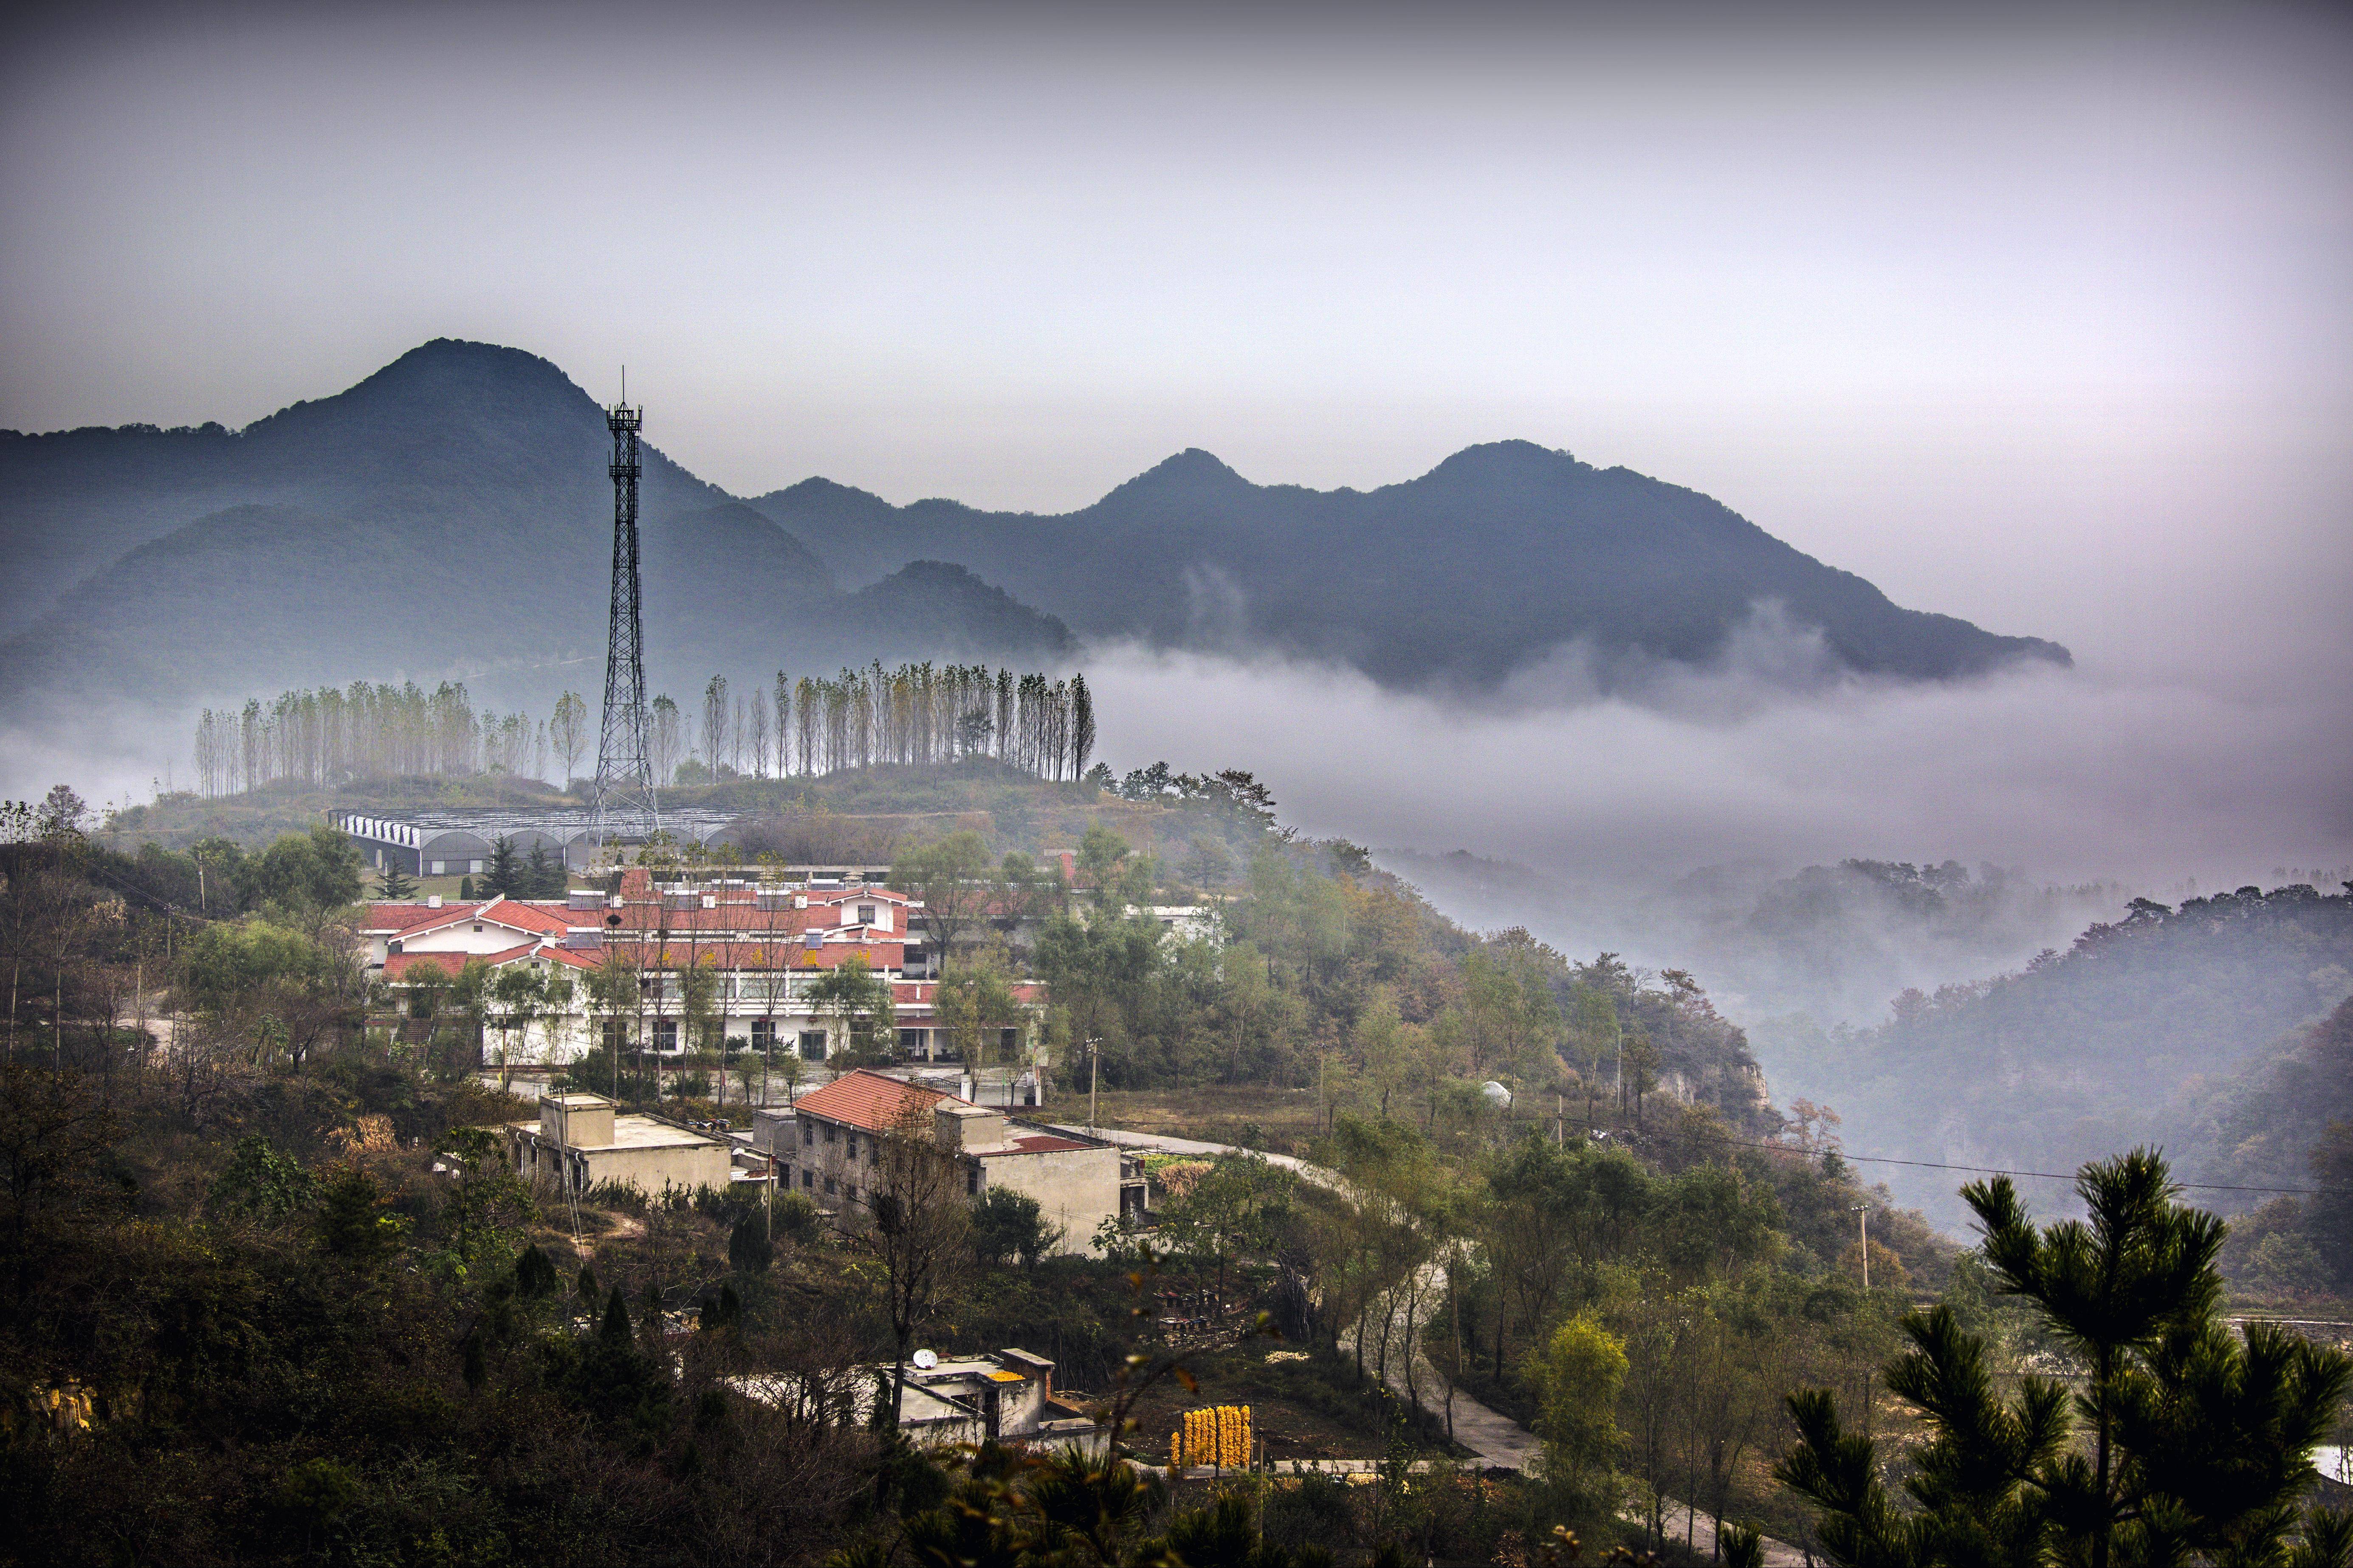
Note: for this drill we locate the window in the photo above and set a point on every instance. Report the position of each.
(808, 1177)
(440, 868)
(664, 1034)
(850, 1192)
(972, 1178)
(808, 1134)
(1009, 1041)
(763, 1034)
(477, 928)
(616, 1034)
(813, 1045)
(829, 1188)
(853, 1146)
(910, 1040)
(474, 867)
(832, 1134)
(866, 914)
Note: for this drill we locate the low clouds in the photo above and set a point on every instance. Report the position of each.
(2075, 776)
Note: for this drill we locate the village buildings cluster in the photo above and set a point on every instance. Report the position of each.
(764, 948)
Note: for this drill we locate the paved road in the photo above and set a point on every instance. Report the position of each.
(1500, 1442)
(1160, 1143)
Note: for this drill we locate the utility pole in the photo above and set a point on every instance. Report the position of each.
(1863, 1222)
(1094, 1076)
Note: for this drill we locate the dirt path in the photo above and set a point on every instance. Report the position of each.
(624, 1226)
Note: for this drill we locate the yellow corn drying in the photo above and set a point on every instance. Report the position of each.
(1220, 1435)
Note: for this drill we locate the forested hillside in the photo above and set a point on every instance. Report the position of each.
(281, 1267)
(1830, 943)
(2284, 1121)
(2118, 1040)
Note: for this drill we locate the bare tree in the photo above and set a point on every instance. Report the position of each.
(754, 731)
(784, 725)
(714, 723)
(568, 732)
(919, 1231)
(664, 738)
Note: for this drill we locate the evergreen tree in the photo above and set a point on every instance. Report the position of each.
(2198, 1443)
(466, 888)
(392, 884)
(505, 877)
(542, 875)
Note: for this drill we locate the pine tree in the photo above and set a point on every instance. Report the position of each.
(505, 877)
(2199, 1443)
(542, 875)
(392, 884)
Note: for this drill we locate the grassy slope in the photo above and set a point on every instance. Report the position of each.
(888, 805)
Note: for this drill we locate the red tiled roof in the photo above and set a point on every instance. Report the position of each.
(530, 914)
(868, 1099)
(512, 913)
(400, 917)
(400, 964)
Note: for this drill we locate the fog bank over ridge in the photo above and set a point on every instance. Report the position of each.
(2112, 783)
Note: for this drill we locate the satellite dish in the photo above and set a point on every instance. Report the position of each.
(926, 1360)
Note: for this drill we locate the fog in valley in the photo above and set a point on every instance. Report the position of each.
(1648, 824)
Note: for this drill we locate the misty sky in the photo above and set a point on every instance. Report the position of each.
(2041, 323)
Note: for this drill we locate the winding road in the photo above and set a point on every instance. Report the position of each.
(1500, 1442)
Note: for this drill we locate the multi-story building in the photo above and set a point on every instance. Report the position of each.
(829, 1144)
(764, 946)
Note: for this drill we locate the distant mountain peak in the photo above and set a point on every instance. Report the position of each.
(441, 379)
(1191, 469)
(1511, 457)
(445, 357)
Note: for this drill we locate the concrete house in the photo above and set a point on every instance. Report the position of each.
(827, 1145)
(579, 1142)
(1006, 1395)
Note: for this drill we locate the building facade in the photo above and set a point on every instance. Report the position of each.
(759, 949)
(829, 1146)
(580, 1143)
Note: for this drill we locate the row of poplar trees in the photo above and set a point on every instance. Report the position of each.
(917, 714)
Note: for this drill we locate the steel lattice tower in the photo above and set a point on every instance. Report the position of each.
(624, 804)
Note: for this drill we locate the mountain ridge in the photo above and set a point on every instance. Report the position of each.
(1621, 560)
(455, 501)
(468, 480)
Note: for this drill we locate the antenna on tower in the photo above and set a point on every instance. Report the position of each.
(625, 807)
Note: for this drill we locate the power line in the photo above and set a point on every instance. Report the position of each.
(1993, 1171)
(1996, 1170)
